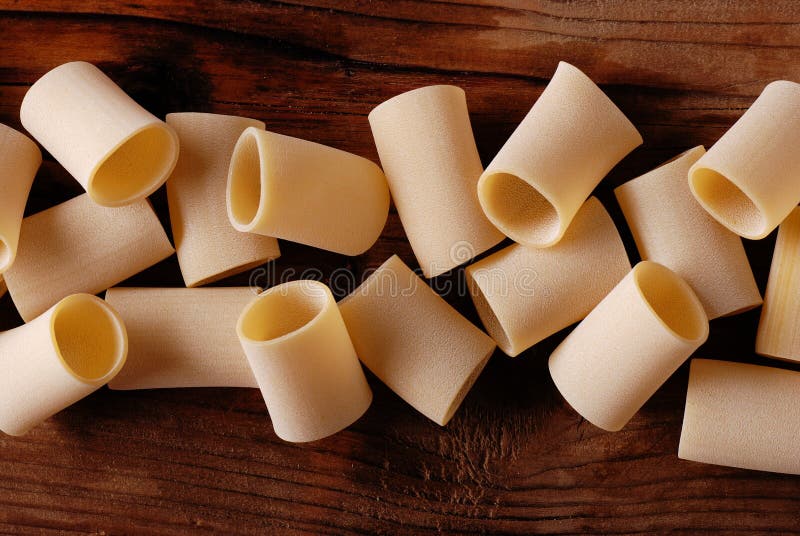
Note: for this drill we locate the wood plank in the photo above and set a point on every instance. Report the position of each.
(515, 459)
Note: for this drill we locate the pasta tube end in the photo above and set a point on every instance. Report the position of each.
(519, 210)
(728, 204)
(89, 338)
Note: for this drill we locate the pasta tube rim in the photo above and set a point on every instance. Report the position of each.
(321, 303)
(487, 184)
(157, 179)
(687, 297)
(239, 189)
(63, 307)
(703, 178)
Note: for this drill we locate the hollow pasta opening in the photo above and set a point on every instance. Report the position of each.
(728, 203)
(136, 168)
(672, 300)
(89, 337)
(519, 210)
(283, 310)
(244, 181)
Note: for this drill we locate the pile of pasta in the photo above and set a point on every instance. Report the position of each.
(235, 188)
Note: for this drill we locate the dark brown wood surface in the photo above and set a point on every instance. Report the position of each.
(515, 459)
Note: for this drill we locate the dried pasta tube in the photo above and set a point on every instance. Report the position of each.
(414, 341)
(670, 228)
(427, 150)
(570, 139)
(524, 295)
(117, 150)
(208, 246)
(303, 360)
(180, 337)
(3, 287)
(306, 192)
(62, 356)
(79, 246)
(20, 158)
(749, 181)
(780, 317)
(741, 416)
(622, 352)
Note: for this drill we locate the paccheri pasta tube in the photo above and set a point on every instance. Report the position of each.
(741, 416)
(749, 180)
(778, 333)
(670, 228)
(79, 246)
(303, 360)
(3, 287)
(306, 192)
(50, 363)
(181, 337)
(208, 246)
(622, 352)
(414, 341)
(20, 158)
(117, 150)
(427, 150)
(570, 139)
(524, 295)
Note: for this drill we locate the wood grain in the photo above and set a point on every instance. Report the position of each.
(515, 459)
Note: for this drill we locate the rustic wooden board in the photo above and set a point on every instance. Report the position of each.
(515, 459)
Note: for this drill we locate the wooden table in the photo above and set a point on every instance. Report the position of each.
(516, 458)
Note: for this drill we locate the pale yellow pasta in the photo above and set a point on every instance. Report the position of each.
(303, 360)
(741, 416)
(80, 246)
(670, 228)
(118, 151)
(305, 192)
(570, 139)
(622, 352)
(427, 150)
(524, 295)
(778, 333)
(749, 180)
(180, 337)
(208, 246)
(414, 341)
(50, 363)
(20, 158)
